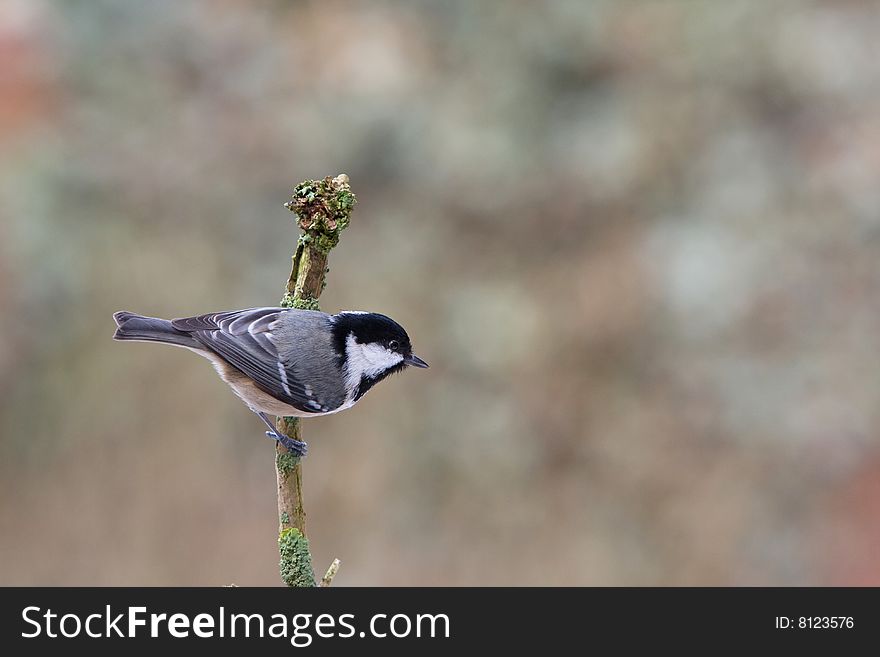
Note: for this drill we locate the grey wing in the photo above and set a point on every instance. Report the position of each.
(243, 338)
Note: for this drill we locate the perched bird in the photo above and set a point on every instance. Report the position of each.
(283, 361)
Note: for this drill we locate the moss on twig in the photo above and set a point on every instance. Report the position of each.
(285, 462)
(323, 209)
(296, 560)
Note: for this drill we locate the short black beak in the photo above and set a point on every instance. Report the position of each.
(415, 361)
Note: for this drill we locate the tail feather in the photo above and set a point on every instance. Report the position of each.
(150, 329)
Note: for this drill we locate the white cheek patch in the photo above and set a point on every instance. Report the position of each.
(367, 360)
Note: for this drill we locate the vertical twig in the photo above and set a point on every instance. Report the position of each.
(330, 574)
(323, 209)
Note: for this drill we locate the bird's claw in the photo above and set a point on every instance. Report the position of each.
(295, 447)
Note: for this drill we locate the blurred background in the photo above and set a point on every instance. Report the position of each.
(638, 243)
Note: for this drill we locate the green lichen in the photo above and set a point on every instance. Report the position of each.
(285, 462)
(288, 300)
(323, 209)
(285, 518)
(306, 304)
(345, 202)
(296, 560)
(324, 242)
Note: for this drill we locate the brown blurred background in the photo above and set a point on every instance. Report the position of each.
(637, 242)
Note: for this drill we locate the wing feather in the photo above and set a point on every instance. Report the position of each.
(244, 339)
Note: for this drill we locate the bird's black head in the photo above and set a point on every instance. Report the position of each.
(371, 347)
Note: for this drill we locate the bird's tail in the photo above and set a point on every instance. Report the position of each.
(150, 329)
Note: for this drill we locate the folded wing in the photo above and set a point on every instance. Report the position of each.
(244, 339)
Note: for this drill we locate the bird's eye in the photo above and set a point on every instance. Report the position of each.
(394, 345)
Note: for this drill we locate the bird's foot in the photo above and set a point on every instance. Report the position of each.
(295, 447)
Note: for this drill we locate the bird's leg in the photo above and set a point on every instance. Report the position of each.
(296, 447)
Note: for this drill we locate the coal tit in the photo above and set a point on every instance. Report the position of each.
(286, 362)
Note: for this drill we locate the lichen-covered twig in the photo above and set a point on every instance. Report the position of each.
(323, 209)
